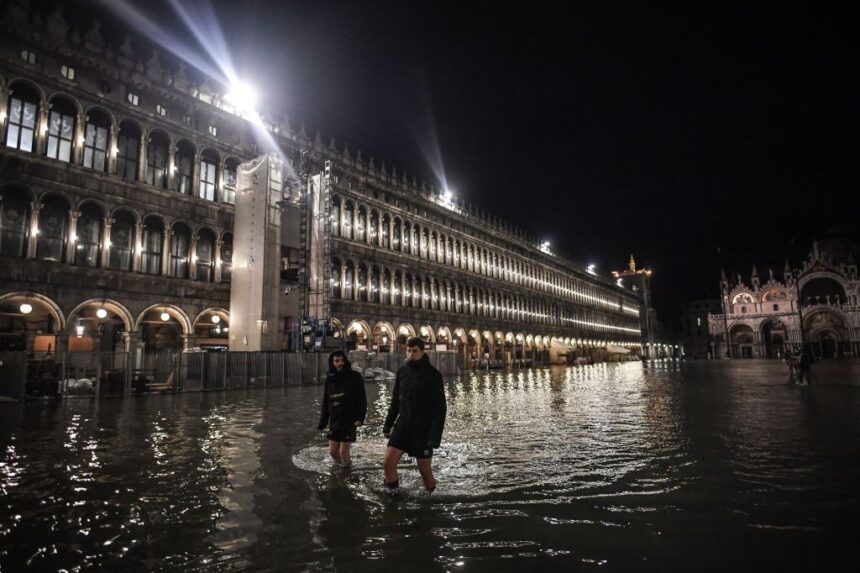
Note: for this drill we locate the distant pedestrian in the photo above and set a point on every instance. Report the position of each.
(415, 417)
(344, 406)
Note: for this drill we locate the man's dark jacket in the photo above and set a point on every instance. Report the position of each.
(344, 399)
(417, 411)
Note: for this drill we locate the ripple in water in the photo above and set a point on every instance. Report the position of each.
(656, 467)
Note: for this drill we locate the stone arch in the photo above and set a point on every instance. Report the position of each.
(173, 310)
(60, 94)
(827, 330)
(30, 84)
(20, 297)
(742, 338)
(383, 336)
(426, 332)
(774, 337)
(98, 108)
(211, 328)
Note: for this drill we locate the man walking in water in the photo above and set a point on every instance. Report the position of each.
(416, 414)
(344, 406)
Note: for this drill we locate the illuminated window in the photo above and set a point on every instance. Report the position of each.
(161, 110)
(133, 98)
(208, 166)
(188, 120)
(213, 131)
(61, 126)
(22, 120)
(28, 56)
(96, 142)
(67, 72)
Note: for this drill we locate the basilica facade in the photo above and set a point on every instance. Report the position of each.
(118, 184)
(814, 305)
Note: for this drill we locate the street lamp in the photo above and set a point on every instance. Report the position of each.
(26, 308)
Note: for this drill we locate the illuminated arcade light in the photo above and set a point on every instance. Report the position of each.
(26, 308)
(101, 313)
(79, 330)
(165, 317)
(216, 319)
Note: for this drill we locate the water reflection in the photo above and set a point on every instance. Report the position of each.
(625, 466)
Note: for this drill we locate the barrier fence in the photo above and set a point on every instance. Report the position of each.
(97, 374)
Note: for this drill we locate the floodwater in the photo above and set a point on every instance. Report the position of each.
(700, 466)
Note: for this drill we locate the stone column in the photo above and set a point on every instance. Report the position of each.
(137, 249)
(141, 157)
(165, 252)
(32, 239)
(71, 237)
(188, 341)
(192, 265)
(219, 181)
(342, 285)
(195, 176)
(112, 148)
(42, 128)
(171, 167)
(78, 143)
(105, 258)
(218, 244)
(4, 98)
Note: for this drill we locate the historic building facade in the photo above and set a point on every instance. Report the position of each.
(815, 305)
(118, 179)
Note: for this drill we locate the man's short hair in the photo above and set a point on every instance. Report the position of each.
(415, 342)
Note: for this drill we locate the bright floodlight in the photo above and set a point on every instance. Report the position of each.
(448, 194)
(242, 96)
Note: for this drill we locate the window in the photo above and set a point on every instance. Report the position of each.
(698, 321)
(133, 98)
(188, 120)
(153, 243)
(205, 255)
(104, 88)
(180, 249)
(213, 131)
(96, 142)
(156, 161)
(743, 310)
(28, 56)
(128, 152)
(67, 72)
(122, 243)
(184, 168)
(776, 307)
(61, 127)
(53, 224)
(14, 219)
(230, 180)
(22, 122)
(88, 232)
(207, 178)
(161, 110)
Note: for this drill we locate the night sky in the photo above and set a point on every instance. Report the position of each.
(606, 128)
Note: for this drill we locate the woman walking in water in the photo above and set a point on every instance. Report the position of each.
(344, 406)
